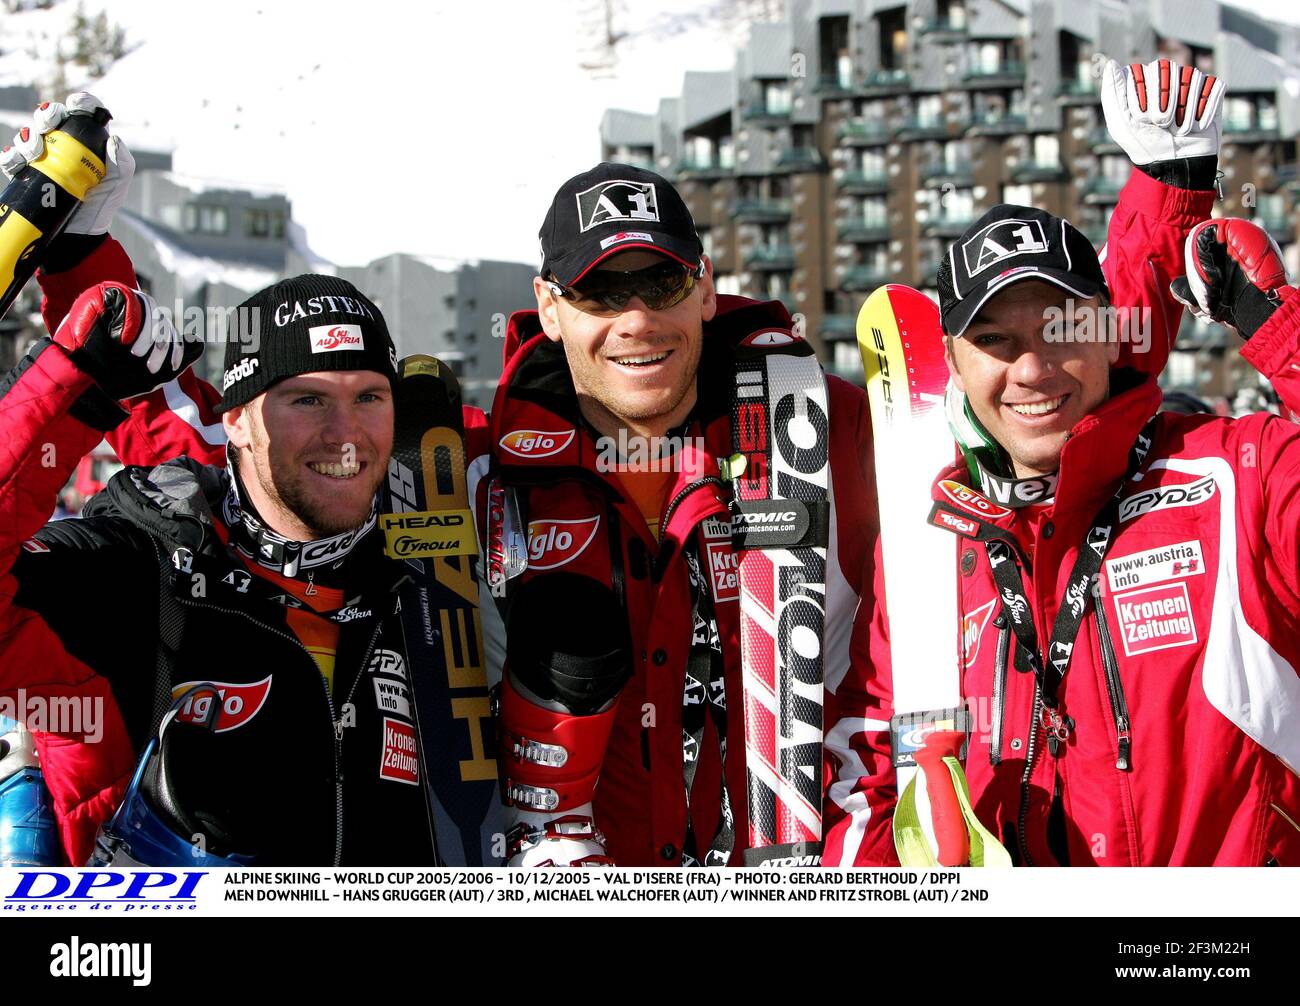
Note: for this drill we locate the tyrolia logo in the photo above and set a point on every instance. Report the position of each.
(536, 443)
(433, 533)
(103, 890)
(332, 338)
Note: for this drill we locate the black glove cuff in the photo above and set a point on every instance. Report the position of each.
(67, 251)
(1195, 174)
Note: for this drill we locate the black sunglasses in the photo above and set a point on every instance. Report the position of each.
(605, 291)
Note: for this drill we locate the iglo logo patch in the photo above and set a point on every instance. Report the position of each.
(969, 500)
(771, 337)
(333, 338)
(553, 543)
(972, 631)
(239, 703)
(536, 443)
(616, 200)
(1002, 240)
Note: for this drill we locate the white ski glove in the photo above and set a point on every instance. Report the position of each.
(1160, 111)
(104, 200)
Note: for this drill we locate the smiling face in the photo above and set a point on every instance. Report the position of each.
(313, 450)
(634, 369)
(1029, 392)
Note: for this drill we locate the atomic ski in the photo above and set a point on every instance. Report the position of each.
(429, 525)
(780, 522)
(901, 341)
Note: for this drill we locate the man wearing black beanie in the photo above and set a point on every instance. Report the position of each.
(243, 619)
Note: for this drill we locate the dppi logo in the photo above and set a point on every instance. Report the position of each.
(536, 443)
(239, 703)
(139, 890)
(553, 543)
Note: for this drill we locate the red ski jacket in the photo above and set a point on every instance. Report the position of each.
(640, 803)
(1180, 695)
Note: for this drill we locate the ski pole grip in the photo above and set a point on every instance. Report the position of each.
(949, 824)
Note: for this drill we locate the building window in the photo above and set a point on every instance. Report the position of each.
(1047, 150)
(1018, 195)
(929, 110)
(776, 97)
(1238, 114)
(264, 224)
(726, 152)
(875, 212)
(203, 219)
(729, 285)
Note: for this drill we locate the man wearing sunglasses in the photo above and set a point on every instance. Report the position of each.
(611, 417)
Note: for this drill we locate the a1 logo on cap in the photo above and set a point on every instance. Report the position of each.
(616, 200)
(1001, 240)
(332, 338)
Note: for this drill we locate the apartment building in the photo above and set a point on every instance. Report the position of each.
(854, 140)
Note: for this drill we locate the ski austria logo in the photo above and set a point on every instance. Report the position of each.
(972, 631)
(770, 337)
(972, 502)
(554, 543)
(622, 236)
(616, 199)
(239, 703)
(1002, 240)
(536, 443)
(1165, 497)
(332, 338)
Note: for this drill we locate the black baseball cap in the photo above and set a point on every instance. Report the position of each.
(1009, 244)
(303, 325)
(609, 209)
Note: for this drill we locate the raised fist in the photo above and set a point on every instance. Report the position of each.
(1234, 274)
(1160, 111)
(115, 335)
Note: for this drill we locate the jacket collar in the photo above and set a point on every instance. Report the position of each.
(1094, 458)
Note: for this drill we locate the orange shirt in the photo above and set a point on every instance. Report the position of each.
(319, 635)
(647, 490)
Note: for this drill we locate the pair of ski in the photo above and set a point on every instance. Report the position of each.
(428, 523)
(780, 471)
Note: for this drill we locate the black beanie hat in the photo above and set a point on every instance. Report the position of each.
(299, 326)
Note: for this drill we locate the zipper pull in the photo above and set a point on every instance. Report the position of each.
(1057, 727)
(338, 730)
(1125, 746)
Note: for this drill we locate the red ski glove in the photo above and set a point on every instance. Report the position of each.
(1234, 274)
(115, 335)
